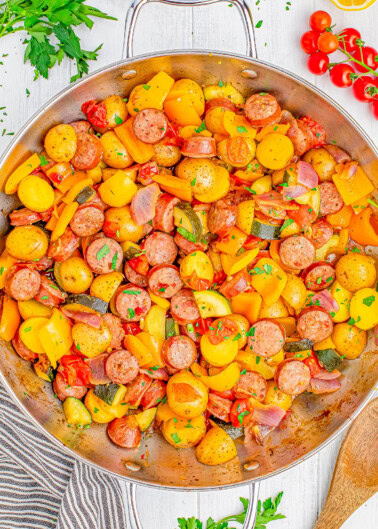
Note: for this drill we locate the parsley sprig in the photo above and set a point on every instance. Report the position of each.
(50, 35)
(268, 514)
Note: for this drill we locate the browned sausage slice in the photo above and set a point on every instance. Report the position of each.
(97, 366)
(315, 324)
(219, 407)
(104, 255)
(150, 125)
(297, 252)
(22, 283)
(222, 216)
(132, 302)
(184, 308)
(321, 233)
(251, 384)
(63, 390)
(88, 152)
(137, 388)
(135, 277)
(319, 275)
(81, 126)
(122, 367)
(23, 217)
(262, 110)
(187, 247)
(125, 432)
(160, 248)
(64, 246)
(165, 280)
(292, 377)
(199, 147)
(179, 352)
(116, 329)
(266, 338)
(155, 394)
(163, 219)
(22, 350)
(87, 221)
(330, 199)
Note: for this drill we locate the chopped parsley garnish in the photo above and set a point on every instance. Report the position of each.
(102, 252)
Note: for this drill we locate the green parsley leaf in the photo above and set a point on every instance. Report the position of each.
(241, 130)
(102, 252)
(176, 438)
(201, 128)
(186, 234)
(368, 301)
(114, 261)
(131, 292)
(287, 223)
(146, 86)
(131, 313)
(118, 120)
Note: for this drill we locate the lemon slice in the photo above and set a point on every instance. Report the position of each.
(353, 5)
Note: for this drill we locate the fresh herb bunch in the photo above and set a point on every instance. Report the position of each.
(42, 19)
(263, 516)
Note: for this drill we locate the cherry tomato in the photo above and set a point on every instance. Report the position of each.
(309, 41)
(320, 20)
(374, 108)
(221, 328)
(348, 38)
(313, 364)
(74, 370)
(241, 413)
(328, 42)
(131, 328)
(303, 216)
(318, 63)
(96, 113)
(340, 75)
(365, 89)
(367, 55)
(140, 264)
(202, 325)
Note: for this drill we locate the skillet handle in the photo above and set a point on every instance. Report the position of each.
(250, 517)
(242, 6)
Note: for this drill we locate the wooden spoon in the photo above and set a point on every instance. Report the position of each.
(355, 478)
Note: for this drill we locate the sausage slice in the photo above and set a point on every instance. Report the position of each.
(124, 432)
(88, 152)
(266, 338)
(87, 221)
(262, 110)
(251, 384)
(297, 252)
(184, 308)
(165, 280)
(314, 323)
(160, 248)
(179, 352)
(122, 367)
(292, 377)
(23, 283)
(104, 255)
(150, 125)
(132, 302)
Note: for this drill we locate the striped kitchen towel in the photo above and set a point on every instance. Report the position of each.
(42, 487)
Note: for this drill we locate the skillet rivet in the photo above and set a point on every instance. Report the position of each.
(249, 74)
(251, 465)
(129, 74)
(130, 465)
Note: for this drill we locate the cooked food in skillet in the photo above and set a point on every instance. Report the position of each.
(189, 261)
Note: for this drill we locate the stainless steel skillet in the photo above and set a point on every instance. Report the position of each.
(315, 420)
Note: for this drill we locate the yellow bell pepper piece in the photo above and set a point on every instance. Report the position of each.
(162, 302)
(154, 322)
(154, 345)
(138, 349)
(190, 131)
(276, 359)
(95, 174)
(22, 171)
(150, 95)
(232, 243)
(245, 215)
(29, 333)
(232, 264)
(247, 304)
(182, 111)
(118, 190)
(10, 319)
(218, 355)
(262, 185)
(56, 336)
(175, 186)
(6, 261)
(198, 370)
(75, 190)
(361, 229)
(224, 380)
(164, 413)
(289, 324)
(325, 344)
(269, 280)
(139, 151)
(237, 125)
(31, 308)
(65, 218)
(71, 180)
(352, 188)
(280, 129)
(252, 362)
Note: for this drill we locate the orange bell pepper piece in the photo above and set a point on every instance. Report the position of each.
(361, 229)
(341, 219)
(247, 304)
(10, 319)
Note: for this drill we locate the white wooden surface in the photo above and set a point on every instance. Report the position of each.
(217, 27)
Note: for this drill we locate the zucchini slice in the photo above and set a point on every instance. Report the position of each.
(233, 432)
(171, 328)
(145, 418)
(265, 231)
(89, 301)
(185, 217)
(300, 345)
(76, 412)
(329, 359)
(85, 194)
(212, 304)
(110, 393)
(130, 250)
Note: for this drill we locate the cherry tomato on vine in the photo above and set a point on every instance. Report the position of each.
(340, 75)
(374, 107)
(320, 20)
(349, 38)
(368, 55)
(328, 42)
(309, 41)
(365, 89)
(318, 63)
